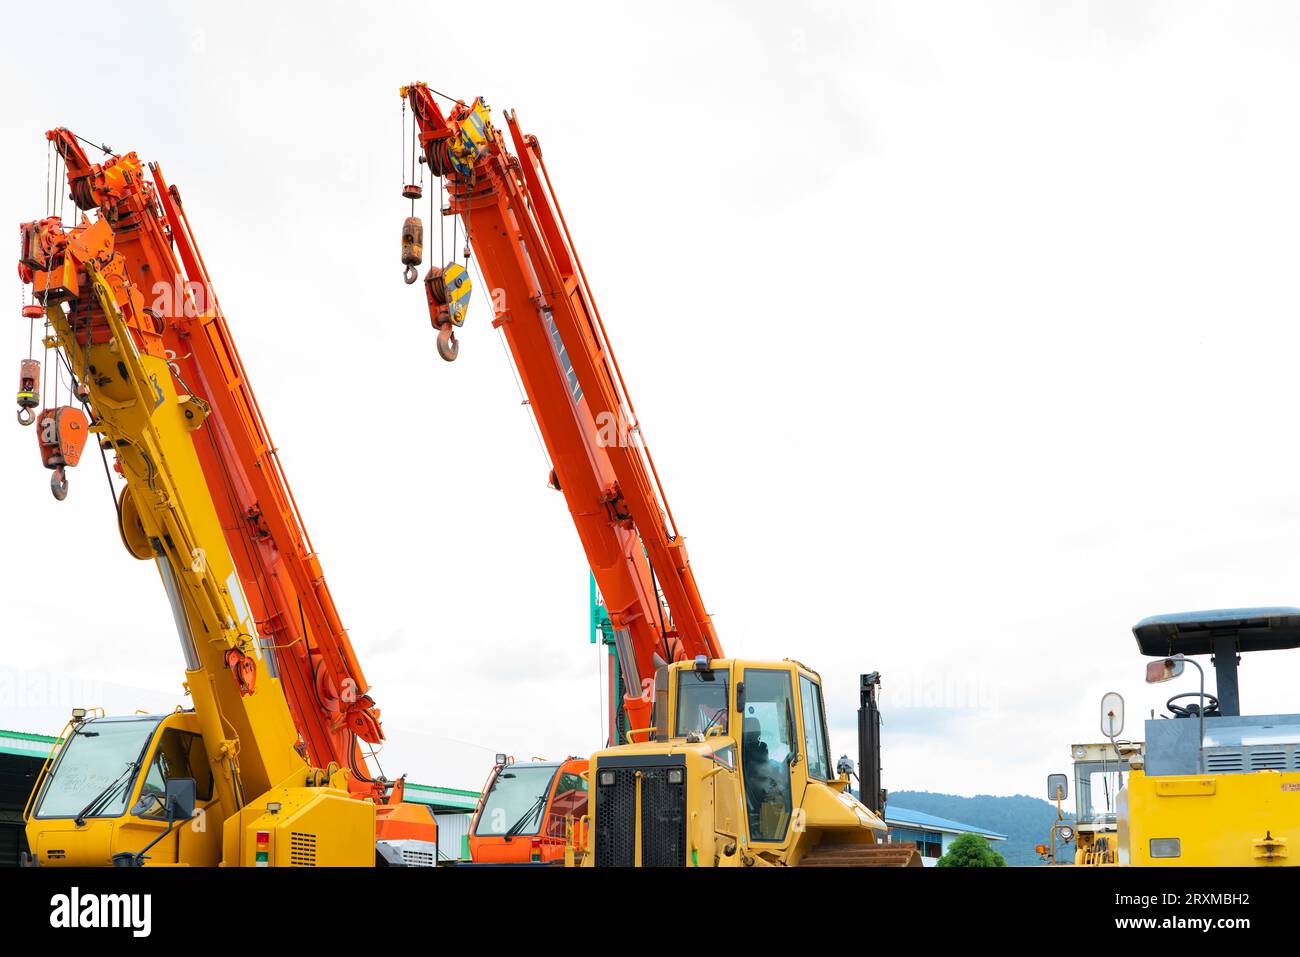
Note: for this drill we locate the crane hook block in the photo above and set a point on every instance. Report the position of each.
(412, 191)
(448, 292)
(29, 390)
(62, 434)
(455, 281)
(412, 247)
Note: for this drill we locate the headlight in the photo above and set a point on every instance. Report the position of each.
(606, 779)
(1166, 847)
(676, 775)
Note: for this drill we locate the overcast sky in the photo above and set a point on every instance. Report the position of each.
(964, 336)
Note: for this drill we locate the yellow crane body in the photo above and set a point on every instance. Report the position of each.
(257, 799)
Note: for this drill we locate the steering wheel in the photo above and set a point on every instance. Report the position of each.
(1210, 705)
(150, 804)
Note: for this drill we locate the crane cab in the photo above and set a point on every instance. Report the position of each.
(103, 797)
(736, 771)
(104, 794)
(528, 811)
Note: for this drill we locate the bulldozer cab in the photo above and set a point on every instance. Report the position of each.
(735, 771)
(781, 728)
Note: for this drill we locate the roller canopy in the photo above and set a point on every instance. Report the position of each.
(1195, 632)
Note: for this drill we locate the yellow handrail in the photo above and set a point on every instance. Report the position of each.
(45, 767)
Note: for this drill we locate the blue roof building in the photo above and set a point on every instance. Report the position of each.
(931, 834)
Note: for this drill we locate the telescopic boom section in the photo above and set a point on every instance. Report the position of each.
(546, 312)
(297, 626)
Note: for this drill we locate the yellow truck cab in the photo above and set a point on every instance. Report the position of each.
(736, 771)
(114, 771)
(1214, 787)
(104, 800)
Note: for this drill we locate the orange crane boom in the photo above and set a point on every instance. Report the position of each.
(545, 309)
(298, 625)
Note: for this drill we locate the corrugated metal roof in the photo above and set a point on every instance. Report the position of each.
(906, 817)
(456, 799)
(24, 745)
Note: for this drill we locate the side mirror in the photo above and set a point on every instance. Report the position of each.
(1058, 787)
(1166, 669)
(1112, 714)
(181, 797)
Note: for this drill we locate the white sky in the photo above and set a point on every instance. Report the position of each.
(960, 334)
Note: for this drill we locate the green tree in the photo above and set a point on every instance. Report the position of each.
(971, 850)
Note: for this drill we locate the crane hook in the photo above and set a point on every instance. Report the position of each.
(410, 274)
(59, 483)
(26, 417)
(448, 347)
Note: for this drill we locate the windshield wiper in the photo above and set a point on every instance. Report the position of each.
(528, 815)
(102, 797)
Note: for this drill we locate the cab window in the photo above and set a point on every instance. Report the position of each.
(180, 754)
(767, 750)
(570, 801)
(702, 702)
(814, 730)
(514, 803)
(96, 768)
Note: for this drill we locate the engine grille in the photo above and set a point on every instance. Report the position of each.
(663, 820)
(1223, 760)
(417, 858)
(663, 815)
(302, 849)
(616, 819)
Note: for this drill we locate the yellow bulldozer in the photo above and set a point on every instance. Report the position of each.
(736, 772)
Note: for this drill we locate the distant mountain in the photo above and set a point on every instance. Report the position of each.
(1024, 820)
